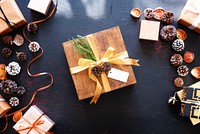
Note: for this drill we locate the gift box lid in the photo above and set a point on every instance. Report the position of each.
(149, 30)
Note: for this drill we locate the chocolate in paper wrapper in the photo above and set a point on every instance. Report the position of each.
(190, 15)
(34, 114)
(4, 106)
(13, 14)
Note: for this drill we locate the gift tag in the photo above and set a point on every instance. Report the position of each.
(118, 75)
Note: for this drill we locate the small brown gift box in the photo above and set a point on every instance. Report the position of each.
(85, 87)
(10, 16)
(4, 107)
(34, 121)
(190, 15)
(149, 30)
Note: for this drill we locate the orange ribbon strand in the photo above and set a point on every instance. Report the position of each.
(37, 74)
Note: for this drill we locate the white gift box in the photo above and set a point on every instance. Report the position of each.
(41, 6)
(34, 121)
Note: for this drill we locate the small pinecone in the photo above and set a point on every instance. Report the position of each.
(97, 70)
(106, 67)
(182, 70)
(32, 28)
(148, 13)
(168, 33)
(6, 52)
(168, 17)
(14, 101)
(21, 90)
(8, 86)
(176, 60)
(178, 82)
(178, 45)
(7, 40)
(21, 56)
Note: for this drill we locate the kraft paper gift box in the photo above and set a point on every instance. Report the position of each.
(190, 99)
(85, 87)
(190, 15)
(10, 16)
(4, 106)
(149, 30)
(41, 6)
(34, 121)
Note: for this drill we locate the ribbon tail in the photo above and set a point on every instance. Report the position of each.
(105, 82)
(98, 90)
(78, 69)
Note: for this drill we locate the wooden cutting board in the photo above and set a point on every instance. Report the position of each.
(85, 87)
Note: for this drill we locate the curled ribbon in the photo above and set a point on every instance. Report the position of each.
(195, 8)
(34, 126)
(34, 75)
(109, 56)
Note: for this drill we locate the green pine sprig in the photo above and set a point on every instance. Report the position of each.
(82, 47)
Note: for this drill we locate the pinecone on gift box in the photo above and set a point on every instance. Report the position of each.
(182, 70)
(176, 60)
(6, 52)
(106, 67)
(8, 86)
(168, 17)
(178, 45)
(97, 70)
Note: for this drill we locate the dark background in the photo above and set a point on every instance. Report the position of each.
(141, 108)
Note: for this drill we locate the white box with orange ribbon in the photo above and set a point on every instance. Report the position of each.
(34, 121)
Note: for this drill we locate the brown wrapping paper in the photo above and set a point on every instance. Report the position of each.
(13, 14)
(4, 107)
(189, 14)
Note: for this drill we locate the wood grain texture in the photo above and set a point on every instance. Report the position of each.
(85, 87)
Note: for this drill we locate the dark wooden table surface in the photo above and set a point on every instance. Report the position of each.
(141, 108)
